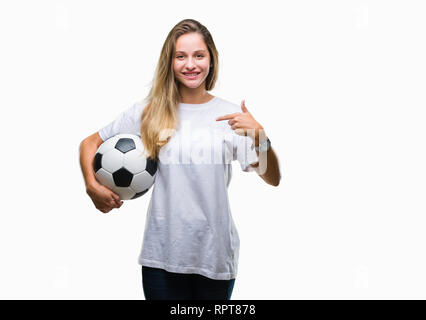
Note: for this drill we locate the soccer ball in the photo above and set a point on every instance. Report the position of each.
(121, 165)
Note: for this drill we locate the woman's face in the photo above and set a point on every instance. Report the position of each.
(191, 56)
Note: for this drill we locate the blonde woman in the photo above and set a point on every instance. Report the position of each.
(190, 245)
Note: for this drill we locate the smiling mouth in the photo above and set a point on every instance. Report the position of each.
(191, 75)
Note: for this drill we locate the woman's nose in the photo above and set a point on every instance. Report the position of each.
(190, 63)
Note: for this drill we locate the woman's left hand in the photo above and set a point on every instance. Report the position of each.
(243, 123)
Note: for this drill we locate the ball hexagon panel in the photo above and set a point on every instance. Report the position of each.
(142, 181)
(122, 177)
(97, 162)
(151, 166)
(124, 193)
(134, 161)
(105, 178)
(137, 195)
(108, 144)
(125, 145)
(112, 160)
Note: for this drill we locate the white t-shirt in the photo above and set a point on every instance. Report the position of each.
(189, 226)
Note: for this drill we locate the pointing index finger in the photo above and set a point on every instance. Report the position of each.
(227, 116)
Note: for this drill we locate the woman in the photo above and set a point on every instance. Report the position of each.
(190, 245)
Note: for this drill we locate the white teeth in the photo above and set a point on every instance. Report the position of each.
(192, 74)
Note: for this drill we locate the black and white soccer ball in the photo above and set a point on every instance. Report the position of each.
(122, 166)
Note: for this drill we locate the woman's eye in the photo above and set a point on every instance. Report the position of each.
(198, 55)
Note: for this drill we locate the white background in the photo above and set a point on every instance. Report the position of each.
(339, 87)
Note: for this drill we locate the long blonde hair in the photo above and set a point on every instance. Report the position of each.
(160, 116)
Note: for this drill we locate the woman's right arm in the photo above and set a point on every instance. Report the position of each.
(103, 198)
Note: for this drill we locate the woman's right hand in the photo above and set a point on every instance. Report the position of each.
(103, 198)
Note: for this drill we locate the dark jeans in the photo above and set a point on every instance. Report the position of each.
(159, 284)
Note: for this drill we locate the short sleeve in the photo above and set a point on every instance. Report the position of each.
(127, 121)
(245, 153)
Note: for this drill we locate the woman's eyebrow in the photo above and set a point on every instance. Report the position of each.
(194, 51)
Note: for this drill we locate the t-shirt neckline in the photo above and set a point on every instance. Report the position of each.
(197, 106)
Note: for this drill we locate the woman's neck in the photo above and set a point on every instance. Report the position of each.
(194, 97)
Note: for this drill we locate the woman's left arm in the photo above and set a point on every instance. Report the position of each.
(244, 124)
(272, 173)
